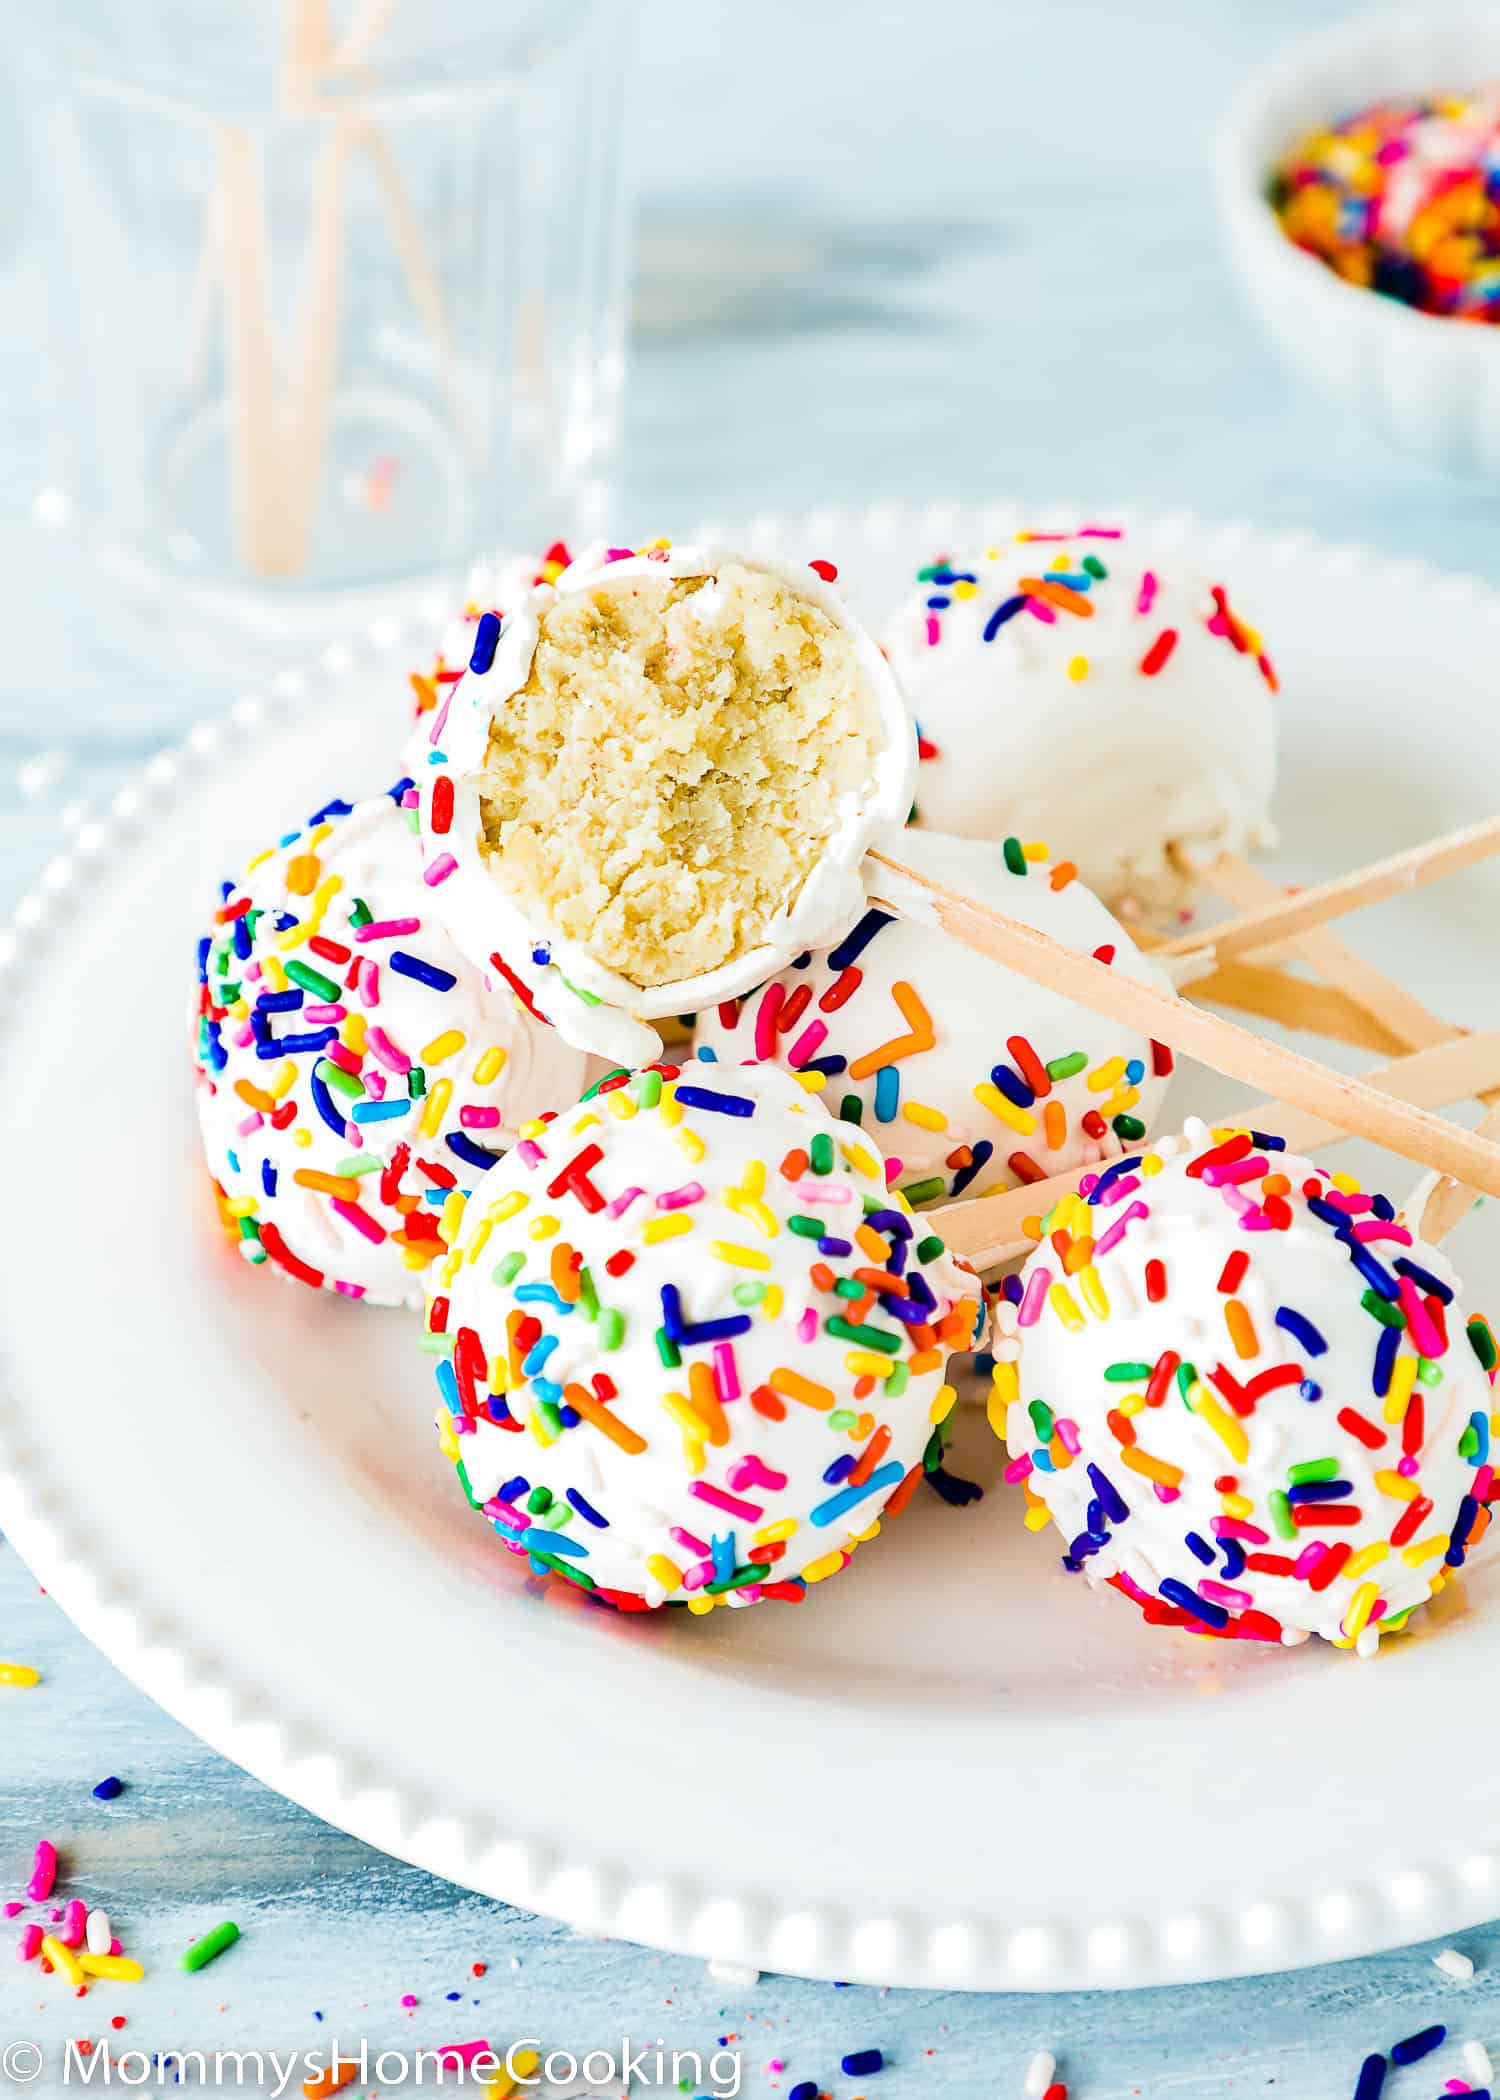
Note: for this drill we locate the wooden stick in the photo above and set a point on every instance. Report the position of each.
(989, 1229)
(1296, 1002)
(315, 360)
(1449, 1200)
(1414, 1025)
(1221, 1044)
(255, 437)
(1322, 901)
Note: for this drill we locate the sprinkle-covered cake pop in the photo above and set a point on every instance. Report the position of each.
(1247, 1395)
(972, 1078)
(692, 1349)
(352, 1068)
(656, 782)
(1072, 687)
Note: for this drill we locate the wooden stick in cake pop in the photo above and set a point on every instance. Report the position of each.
(1322, 901)
(989, 1229)
(1449, 1200)
(1225, 1047)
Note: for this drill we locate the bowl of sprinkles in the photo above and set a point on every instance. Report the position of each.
(1359, 190)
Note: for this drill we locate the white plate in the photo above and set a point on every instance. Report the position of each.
(951, 1766)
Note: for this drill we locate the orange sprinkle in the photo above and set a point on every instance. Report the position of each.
(255, 1097)
(703, 1396)
(1058, 594)
(794, 1166)
(1241, 1329)
(821, 1276)
(599, 1417)
(1055, 1125)
(1157, 1469)
(515, 1354)
(302, 872)
(565, 1267)
(341, 1185)
(1065, 872)
(345, 2069)
(870, 1457)
(869, 1239)
(1121, 1428)
(793, 1386)
(920, 1035)
(925, 1360)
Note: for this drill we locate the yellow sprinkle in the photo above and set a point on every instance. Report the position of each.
(1149, 1164)
(773, 1301)
(1063, 1303)
(693, 1428)
(301, 1136)
(536, 1422)
(1078, 668)
(671, 1227)
(283, 1079)
(1132, 1404)
(1425, 1549)
(1398, 1485)
(924, 1117)
(662, 1571)
(481, 1236)
(353, 1032)
(1346, 1183)
(1103, 1077)
(119, 1968)
(774, 1534)
(812, 1082)
(417, 1256)
(259, 860)
(1361, 1605)
(62, 1959)
(747, 1206)
(862, 1160)
(489, 1065)
(1367, 1557)
(1224, 1426)
(19, 1675)
(700, 1606)
(989, 1096)
(1403, 1378)
(1237, 1506)
(507, 1206)
(1120, 1102)
(587, 1121)
(622, 1104)
(669, 1108)
(944, 1400)
(447, 1044)
(533, 1129)
(1036, 849)
(1036, 1519)
(740, 1257)
(1091, 1283)
(963, 590)
(865, 1363)
(525, 2061)
(447, 1441)
(543, 1228)
(242, 1206)
(275, 976)
(691, 1144)
(450, 1219)
(754, 1183)
(436, 1109)
(815, 1571)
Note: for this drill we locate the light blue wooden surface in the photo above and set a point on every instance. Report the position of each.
(886, 252)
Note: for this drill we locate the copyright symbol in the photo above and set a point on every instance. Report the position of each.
(20, 2062)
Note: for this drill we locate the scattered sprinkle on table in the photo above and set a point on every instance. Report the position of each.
(108, 1789)
(1039, 2074)
(1454, 1964)
(20, 1676)
(211, 1946)
(862, 2063)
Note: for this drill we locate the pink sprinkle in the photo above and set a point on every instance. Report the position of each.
(1236, 1528)
(1378, 1229)
(1163, 1493)
(438, 870)
(1484, 1480)
(1419, 1321)
(341, 1055)
(829, 1193)
(1255, 1220)
(680, 1199)
(807, 1044)
(753, 1472)
(479, 1118)
(696, 1546)
(252, 1122)
(1041, 610)
(1034, 1298)
(408, 2000)
(1409, 1467)
(439, 722)
(359, 1219)
(1146, 596)
(694, 1578)
(772, 1000)
(1067, 1434)
(1221, 1593)
(382, 1047)
(531, 1154)
(30, 1944)
(462, 2052)
(325, 1016)
(349, 1290)
(726, 1373)
(732, 1506)
(1236, 1172)
(374, 1085)
(1116, 1231)
(74, 1920)
(14, 1910)
(243, 1036)
(1354, 1205)
(506, 1512)
(386, 929)
(1119, 1190)
(622, 1202)
(369, 983)
(1019, 1469)
(354, 1136)
(43, 1872)
(893, 1171)
(807, 1326)
(1307, 1560)
(1238, 1201)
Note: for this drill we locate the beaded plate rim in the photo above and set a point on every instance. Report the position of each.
(339, 1779)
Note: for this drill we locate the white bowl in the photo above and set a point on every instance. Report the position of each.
(1430, 384)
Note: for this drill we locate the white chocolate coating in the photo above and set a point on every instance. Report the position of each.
(268, 1119)
(783, 1416)
(590, 1005)
(1052, 730)
(1315, 1475)
(921, 1062)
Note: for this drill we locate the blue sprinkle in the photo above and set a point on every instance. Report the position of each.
(1234, 1559)
(895, 1221)
(1463, 1524)
(486, 641)
(1005, 610)
(1385, 1360)
(336, 808)
(716, 1104)
(861, 2063)
(107, 1789)
(883, 1477)
(1301, 1330)
(280, 1002)
(549, 1390)
(1188, 1600)
(447, 1385)
(1418, 2045)
(323, 1103)
(805, 2089)
(982, 1152)
(721, 1552)
(1012, 1086)
(384, 1112)
(399, 788)
(268, 1177)
(513, 1489)
(1310, 1389)
(1375, 1273)
(557, 1543)
(1264, 1142)
(1115, 1507)
(425, 973)
(471, 1154)
(1199, 1548)
(841, 1468)
(1423, 1279)
(586, 1509)
(533, 1293)
(706, 1054)
(887, 1094)
(854, 944)
(1371, 2078)
(1320, 1490)
(834, 1249)
(308, 1045)
(537, 1355)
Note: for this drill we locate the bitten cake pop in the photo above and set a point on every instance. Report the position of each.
(695, 1348)
(973, 1078)
(1247, 1395)
(656, 783)
(1073, 687)
(352, 1068)
(495, 589)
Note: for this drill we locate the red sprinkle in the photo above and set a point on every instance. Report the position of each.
(1159, 651)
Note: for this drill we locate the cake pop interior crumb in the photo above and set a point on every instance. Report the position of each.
(662, 785)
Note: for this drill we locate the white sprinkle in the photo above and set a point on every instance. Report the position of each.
(96, 1933)
(1454, 1964)
(1477, 2064)
(35, 776)
(734, 1975)
(1040, 2073)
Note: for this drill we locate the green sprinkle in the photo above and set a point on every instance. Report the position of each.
(1187, 1378)
(917, 1192)
(463, 1480)
(1281, 1514)
(1126, 1374)
(937, 1444)
(820, 1153)
(867, 1337)
(667, 1350)
(1428, 1373)
(564, 1567)
(436, 1344)
(1015, 859)
(539, 1500)
(509, 1269)
(749, 1293)
(416, 1083)
(1041, 1420)
(842, 1418)
(806, 1228)
(933, 568)
(895, 1385)
(211, 1946)
(611, 1330)
(349, 1084)
(313, 981)
(738, 1580)
(1065, 1067)
(358, 1163)
(589, 999)
(851, 1109)
(1482, 1342)
(547, 1409)
(588, 1297)
(1128, 1127)
(1094, 566)
(360, 913)
(1468, 1443)
(846, 1287)
(619, 1072)
(648, 1090)
(559, 1516)
(1382, 1310)
(929, 1248)
(1314, 1469)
